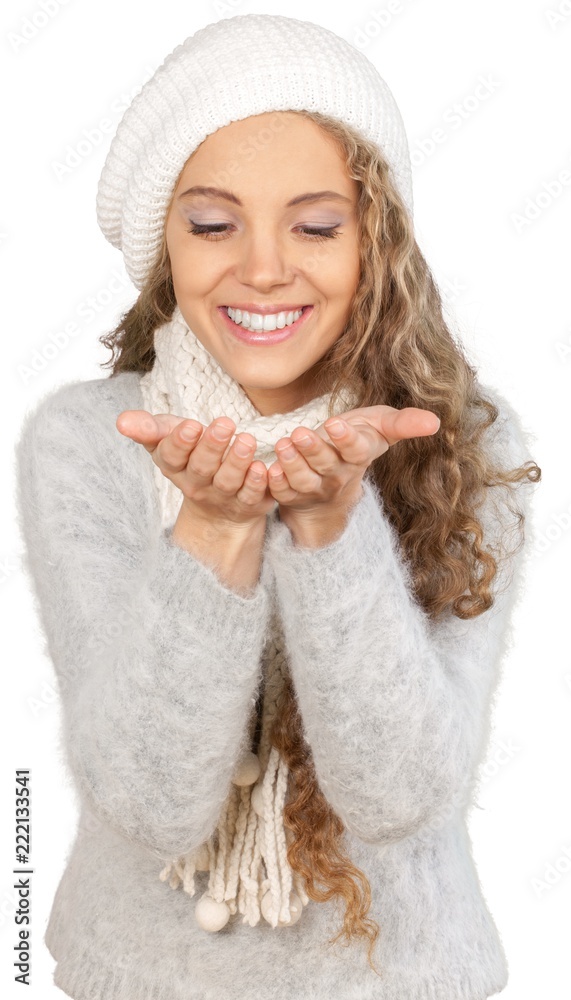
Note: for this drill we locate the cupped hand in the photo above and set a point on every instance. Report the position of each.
(217, 482)
(328, 469)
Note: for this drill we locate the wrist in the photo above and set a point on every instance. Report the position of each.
(193, 515)
(321, 511)
(322, 525)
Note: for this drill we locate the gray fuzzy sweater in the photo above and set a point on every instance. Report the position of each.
(157, 663)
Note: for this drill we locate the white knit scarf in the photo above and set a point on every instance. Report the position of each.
(247, 853)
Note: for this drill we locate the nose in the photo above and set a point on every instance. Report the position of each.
(265, 261)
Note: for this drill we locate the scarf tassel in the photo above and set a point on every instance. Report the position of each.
(247, 855)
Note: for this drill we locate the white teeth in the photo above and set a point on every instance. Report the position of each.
(267, 323)
(256, 322)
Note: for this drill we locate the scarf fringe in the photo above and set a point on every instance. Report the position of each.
(247, 853)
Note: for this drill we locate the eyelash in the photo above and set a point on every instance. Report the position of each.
(313, 234)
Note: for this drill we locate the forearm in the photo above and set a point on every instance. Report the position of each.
(233, 552)
(143, 708)
(153, 653)
(393, 707)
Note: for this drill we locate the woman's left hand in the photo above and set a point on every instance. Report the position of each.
(331, 473)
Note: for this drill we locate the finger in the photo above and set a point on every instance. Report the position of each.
(408, 423)
(236, 463)
(279, 485)
(254, 484)
(172, 452)
(300, 475)
(355, 444)
(205, 460)
(147, 428)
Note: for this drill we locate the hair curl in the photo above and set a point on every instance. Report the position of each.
(396, 348)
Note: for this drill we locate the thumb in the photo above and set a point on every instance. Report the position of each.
(396, 425)
(393, 424)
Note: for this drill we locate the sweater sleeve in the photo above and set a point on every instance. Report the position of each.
(395, 706)
(157, 660)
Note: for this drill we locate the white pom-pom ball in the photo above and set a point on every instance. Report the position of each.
(211, 915)
(248, 770)
(257, 801)
(295, 908)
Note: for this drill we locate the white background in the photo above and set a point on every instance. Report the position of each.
(493, 223)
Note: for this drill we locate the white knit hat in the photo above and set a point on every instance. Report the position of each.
(236, 67)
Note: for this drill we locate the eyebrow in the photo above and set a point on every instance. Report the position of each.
(309, 196)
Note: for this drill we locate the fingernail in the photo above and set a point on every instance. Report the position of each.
(336, 429)
(242, 448)
(221, 432)
(188, 432)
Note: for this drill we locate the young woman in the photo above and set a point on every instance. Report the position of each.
(277, 634)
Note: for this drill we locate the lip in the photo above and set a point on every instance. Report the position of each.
(262, 336)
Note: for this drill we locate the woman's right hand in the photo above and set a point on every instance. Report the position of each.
(217, 488)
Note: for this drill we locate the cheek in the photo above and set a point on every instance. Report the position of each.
(353, 270)
(345, 285)
(190, 268)
(328, 267)
(344, 278)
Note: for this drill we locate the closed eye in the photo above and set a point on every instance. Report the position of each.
(221, 228)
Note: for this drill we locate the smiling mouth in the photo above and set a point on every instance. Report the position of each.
(266, 322)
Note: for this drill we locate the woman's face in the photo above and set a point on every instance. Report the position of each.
(262, 256)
